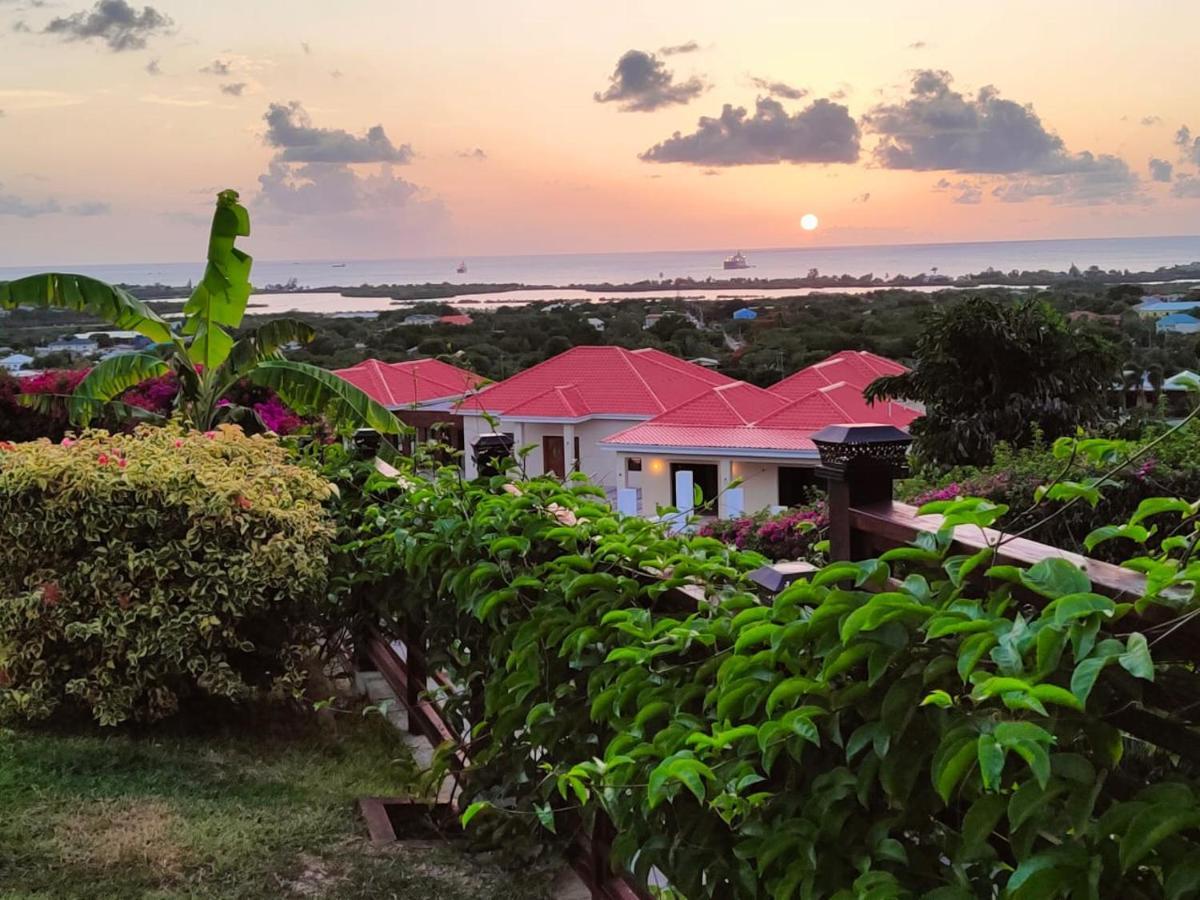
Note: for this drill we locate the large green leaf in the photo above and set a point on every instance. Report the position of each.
(309, 389)
(109, 379)
(219, 300)
(54, 290)
(265, 342)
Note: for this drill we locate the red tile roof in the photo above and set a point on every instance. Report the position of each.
(855, 367)
(598, 381)
(458, 319)
(742, 417)
(403, 384)
(838, 404)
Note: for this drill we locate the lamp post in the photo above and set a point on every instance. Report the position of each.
(859, 464)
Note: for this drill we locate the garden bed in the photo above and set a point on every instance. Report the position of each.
(243, 809)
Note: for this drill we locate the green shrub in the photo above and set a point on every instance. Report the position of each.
(135, 569)
(888, 728)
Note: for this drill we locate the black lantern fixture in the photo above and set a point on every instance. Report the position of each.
(871, 446)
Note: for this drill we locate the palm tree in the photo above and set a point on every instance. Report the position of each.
(202, 355)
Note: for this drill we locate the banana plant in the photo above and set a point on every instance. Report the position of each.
(202, 353)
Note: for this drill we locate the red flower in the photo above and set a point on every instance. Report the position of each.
(5, 445)
(51, 593)
(102, 459)
(178, 443)
(121, 463)
(243, 502)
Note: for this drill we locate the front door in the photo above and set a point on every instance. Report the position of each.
(554, 460)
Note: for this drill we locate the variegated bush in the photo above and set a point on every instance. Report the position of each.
(137, 570)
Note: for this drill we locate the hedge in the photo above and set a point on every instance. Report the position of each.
(902, 727)
(138, 569)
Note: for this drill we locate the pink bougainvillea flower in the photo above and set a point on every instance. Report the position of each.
(243, 502)
(102, 459)
(178, 443)
(210, 434)
(5, 445)
(67, 442)
(122, 463)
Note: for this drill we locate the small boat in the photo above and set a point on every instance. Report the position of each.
(338, 266)
(737, 261)
(462, 268)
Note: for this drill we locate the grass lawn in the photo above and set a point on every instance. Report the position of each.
(246, 809)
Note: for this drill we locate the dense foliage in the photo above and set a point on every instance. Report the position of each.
(923, 724)
(20, 422)
(135, 569)
(988, 371)
(783, 536)
(1169, 467)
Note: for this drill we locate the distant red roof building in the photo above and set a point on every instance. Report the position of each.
(753, 421)
(411, 384)
(459, 319)
(854, 367)
(604, 382)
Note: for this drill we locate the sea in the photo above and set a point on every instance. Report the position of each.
(558, 271)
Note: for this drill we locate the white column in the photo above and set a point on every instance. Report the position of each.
(724, 478)
(684, 499)
(569, 461)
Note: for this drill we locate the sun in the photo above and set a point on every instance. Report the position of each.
(809, 222)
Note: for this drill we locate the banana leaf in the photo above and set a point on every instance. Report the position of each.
(219, 300)
(310, 390)
(108, 380)
(55, 290)
(266, 341)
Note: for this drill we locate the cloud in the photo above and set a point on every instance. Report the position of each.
(938, 128)
(1186, 187)
(641, 82)
(475, 154)
(966, 192)
(153, 68)
(12, 205)
(676, 49)
(89, 208)
(1160, 169)
(1151, 120)
(822, 132)
(315, 172)
(917, 45)
(114, 22)
(217, 67)
(323, 188)
(160, 100)
(1188, 147)
(779, 89)
(290, 130)
(33, 98)
(235, 89)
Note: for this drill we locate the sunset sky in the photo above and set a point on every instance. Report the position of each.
(376, 128)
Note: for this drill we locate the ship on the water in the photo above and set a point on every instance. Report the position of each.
(737, 261)
(462, 268)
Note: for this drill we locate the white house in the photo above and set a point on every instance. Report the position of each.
(739, 431)
(14, 362)
(566, 406)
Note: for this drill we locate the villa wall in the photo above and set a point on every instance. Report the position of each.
(595, 460)
(760, 480)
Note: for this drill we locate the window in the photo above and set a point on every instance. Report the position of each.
(796, 485)
(633, 464)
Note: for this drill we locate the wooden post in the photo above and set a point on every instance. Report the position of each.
(859, 464)
(414, 646)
